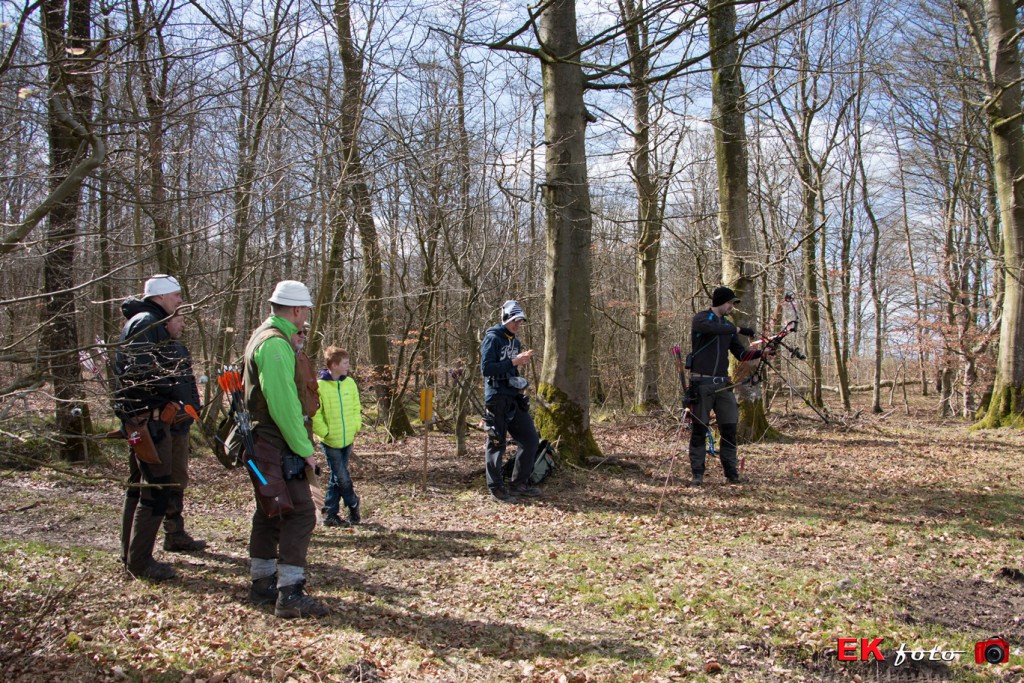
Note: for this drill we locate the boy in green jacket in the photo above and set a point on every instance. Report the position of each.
(336, 423)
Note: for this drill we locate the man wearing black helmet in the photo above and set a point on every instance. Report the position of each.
(713, 339)
(501, 357)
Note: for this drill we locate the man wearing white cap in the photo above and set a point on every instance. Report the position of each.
(146, 368)
(280, 533)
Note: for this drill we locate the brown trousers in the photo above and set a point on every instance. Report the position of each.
(174, 522)
(286, 537)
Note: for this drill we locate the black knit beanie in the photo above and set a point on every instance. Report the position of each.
(722, 295)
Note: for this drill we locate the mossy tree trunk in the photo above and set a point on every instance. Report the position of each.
(728, 120)
(568, 347)
(1006, 408)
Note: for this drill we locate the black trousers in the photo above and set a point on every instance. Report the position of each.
(710, 397)
(510, 415)
(144, 508)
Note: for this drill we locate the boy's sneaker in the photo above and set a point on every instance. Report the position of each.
(353, 513)
(334, 520)
(264, 591)
(525, 490)
(292, 602)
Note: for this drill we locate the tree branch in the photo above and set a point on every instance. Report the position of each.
(70, 184)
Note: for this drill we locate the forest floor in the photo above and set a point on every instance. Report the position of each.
(907, 528)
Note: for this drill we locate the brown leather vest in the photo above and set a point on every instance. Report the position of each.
(259, 412)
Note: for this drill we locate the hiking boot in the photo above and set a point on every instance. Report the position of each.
(153, 571)
(182, 542)
(502, 496)
(335, 520)
(264, 591)
(353, 513)
(525, 490)
(698, 480)
(292, 602)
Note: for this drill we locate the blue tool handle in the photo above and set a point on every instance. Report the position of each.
(252, 466)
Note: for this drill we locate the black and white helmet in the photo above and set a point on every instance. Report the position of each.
(511, 311)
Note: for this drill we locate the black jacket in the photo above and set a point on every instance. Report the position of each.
(146, 363)
(185, 390)
(713, 338)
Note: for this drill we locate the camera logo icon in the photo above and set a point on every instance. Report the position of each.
(992, 651)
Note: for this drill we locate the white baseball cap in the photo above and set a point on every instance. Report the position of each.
(160, 284)
(291, 293)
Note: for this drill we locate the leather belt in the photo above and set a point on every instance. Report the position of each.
(714, 379)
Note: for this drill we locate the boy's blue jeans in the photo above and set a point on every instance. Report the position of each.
(340, 487)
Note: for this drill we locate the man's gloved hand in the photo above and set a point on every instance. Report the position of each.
(747, 331)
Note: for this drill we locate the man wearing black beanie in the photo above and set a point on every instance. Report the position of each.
(713, 338)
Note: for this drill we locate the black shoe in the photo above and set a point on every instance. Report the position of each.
(737, 481)
(353, 513)
(292, 602)
(153, 571)
(334, 520)
(698, 480)
(182, 542)
(264, 591)
(502, 496)
(525, 490)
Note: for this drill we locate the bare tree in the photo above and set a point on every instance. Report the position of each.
(359, 195)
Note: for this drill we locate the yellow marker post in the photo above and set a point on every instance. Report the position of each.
(427, 419)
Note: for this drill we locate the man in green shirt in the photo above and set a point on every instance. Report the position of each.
(280, 535)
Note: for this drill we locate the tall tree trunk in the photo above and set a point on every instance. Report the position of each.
(67, 41)
(255, 107)
(810, 276)
(650, 215)
(153, 66)
(362, 208)
(919, 315)
(568, 347)
(728, 118)
(835, 335)
(104, 201)
(876, 294)
(1004, 120)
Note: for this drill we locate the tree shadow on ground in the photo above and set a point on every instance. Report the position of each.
(416, 544)
(442, 632)
(636, 486)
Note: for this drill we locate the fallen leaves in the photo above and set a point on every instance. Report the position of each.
(585, 587)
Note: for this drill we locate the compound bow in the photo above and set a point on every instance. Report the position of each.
(751, 371)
